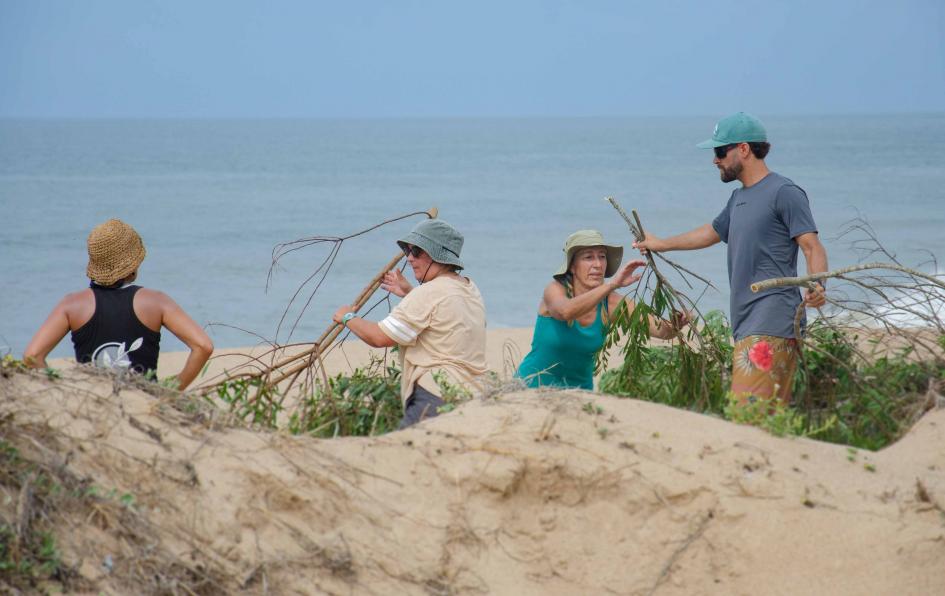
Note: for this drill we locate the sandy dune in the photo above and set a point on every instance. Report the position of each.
(524, 493)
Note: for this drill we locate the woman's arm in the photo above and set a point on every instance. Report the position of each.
(659, 328)
(188, 331)
(663, 329)
(567, 309)
(368, 331)
(48, 336)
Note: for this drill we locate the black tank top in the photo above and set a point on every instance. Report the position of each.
(114, 337)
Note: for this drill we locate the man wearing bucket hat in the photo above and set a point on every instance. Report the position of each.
(115, 325)
(440, 325)
(764, 223)
(572, 315)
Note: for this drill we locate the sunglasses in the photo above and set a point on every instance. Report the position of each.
(410, 249)
(721, 152)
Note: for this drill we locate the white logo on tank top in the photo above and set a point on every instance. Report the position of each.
(113, 355)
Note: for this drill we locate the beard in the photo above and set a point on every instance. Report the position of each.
(732, 173)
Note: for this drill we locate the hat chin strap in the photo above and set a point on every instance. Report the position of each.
(424, 277)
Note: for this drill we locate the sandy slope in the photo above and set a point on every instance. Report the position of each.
(526, 493)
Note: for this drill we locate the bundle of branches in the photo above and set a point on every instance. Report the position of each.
(693, 372)
(871, 361)
(259, 385)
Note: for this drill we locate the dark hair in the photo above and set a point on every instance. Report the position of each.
(760, 149)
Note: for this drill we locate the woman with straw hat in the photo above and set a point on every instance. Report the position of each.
(572, 315)
(440, 326)
(115, 325)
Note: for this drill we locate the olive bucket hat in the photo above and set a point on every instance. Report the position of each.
(586, 239)
(438, 239)
(115, 252)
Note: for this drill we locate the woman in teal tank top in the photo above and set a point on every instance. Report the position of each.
(572, 316)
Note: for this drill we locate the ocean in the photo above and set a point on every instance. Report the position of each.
(211, 198)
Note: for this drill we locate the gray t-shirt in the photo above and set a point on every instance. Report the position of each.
(759, 224)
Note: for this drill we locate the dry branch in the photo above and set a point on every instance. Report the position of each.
(807, 280)
(291, 367)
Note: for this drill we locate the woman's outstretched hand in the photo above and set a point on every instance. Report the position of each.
(625, 276)
(395, 283)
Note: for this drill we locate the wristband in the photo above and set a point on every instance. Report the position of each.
(348, 316)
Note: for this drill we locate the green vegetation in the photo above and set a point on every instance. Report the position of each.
(678, 376)
(366, 402)
(839, 396)
(28, 552)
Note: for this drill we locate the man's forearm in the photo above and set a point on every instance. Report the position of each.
(701, 237)
(816, 259)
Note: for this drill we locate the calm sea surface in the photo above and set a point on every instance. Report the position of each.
(212, 198)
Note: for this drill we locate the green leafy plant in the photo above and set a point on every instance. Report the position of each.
(450, 392)
(251, 400)
(366, 402)
(838, 396)
(774, 417)
(679, 375)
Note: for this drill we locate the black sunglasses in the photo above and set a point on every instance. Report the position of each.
(410, 249)
(721, 152)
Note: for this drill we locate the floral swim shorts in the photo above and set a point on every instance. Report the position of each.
(763, 367)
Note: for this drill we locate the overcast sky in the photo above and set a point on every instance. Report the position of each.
(396, 58)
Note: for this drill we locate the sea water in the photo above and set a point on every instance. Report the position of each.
(212, 198)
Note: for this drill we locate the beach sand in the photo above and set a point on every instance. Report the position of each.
(528, 492)
(524, 493)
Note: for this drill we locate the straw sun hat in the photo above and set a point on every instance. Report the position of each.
(586, 239)
(115, 252)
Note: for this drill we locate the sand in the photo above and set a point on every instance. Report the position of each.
(523, 493)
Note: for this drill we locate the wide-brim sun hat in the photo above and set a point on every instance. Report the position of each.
(438, 239)
(115, 252)
(740, 127)
(587, 239)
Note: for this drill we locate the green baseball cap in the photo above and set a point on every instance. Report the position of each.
(737, 128)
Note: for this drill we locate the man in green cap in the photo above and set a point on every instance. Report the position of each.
(764, 223)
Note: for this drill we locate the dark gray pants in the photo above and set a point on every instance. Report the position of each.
(420, 405)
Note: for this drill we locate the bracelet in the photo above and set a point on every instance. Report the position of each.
(348, 316)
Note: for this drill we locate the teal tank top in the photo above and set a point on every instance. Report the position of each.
(563, 355)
